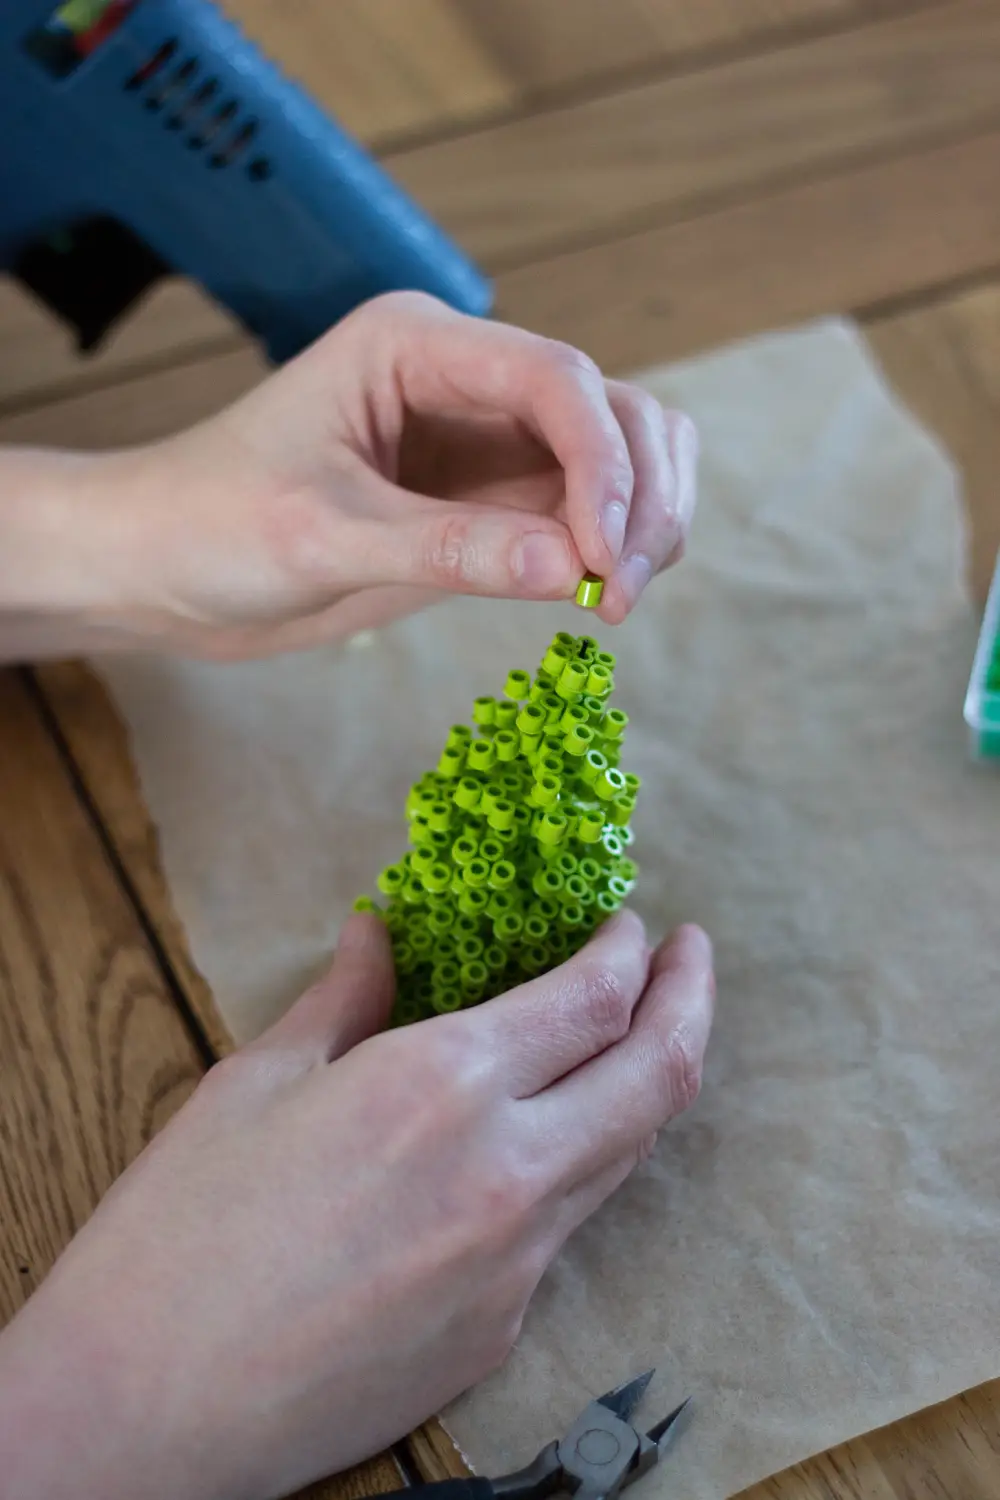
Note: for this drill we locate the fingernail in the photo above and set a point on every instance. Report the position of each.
(686, 459)
(542, 563)
(634, 576)
(614, 518)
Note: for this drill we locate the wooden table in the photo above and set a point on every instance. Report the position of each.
(644, 178)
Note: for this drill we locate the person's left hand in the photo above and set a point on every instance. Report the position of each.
(411, 452)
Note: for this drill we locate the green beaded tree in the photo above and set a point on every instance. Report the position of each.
(518, 838)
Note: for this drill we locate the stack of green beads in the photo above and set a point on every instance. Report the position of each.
(518, 838)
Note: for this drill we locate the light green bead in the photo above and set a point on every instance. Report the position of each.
(437, 878)
(517, 686)
(609, 784)
(590, 827)
(621, 810)
(572, 680)
(545, 791)
(475, 975)
(578, 740)
(555, 659)
(588, 595)
(452, 761)
(506, 744)
(468, 794)
(464, 849)
(391, 881)
(481, 755)
(501, 815)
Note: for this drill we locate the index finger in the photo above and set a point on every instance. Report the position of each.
(446, 362)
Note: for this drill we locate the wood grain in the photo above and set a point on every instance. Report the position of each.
(636, 160)
(93, 1054)
(676, 145)
(544, 46)
(829, 246)
(949, 1452)
(944, 359)
(385, 68)
(138, 410)
(85, 719)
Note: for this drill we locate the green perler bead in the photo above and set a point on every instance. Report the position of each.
(517, 837)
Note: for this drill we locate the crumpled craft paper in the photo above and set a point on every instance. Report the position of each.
(815, 1249)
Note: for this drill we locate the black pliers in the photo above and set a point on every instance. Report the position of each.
(601, 1454)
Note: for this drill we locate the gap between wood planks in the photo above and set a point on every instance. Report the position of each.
(624, 166)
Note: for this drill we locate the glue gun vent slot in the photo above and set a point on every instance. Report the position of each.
(152, 66)
(216, 130)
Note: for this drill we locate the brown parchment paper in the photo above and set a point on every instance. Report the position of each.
(814, 1250)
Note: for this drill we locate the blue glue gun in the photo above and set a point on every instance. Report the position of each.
(146, 138)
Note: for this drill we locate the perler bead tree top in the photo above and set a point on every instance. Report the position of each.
(518, 838)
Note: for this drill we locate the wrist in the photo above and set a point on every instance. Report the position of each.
(66, 563)
(65, 1427)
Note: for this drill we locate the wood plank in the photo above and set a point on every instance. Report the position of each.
(37, 353)
(139, 410)
(392, 68)
(827, 247)
(545, 46)
(97, 741)
(948, 1450)
(824, 247)
(944, 359)
(82, 1010)
(585, 171)
(690, 145)
(384, 68)
(94, 1055)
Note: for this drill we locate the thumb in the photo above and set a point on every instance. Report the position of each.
(491, 550)
(349, 1004)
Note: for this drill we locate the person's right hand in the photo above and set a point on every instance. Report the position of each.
(340, 1232)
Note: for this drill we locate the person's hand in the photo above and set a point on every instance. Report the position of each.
(340, 1232)
(412, 452)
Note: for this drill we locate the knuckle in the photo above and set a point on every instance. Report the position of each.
(507, 1199)
(402, 304)
(455, 1065)
(568, 360)
(642, 405)
(681, 1067)
(608, 999)
(451, 555)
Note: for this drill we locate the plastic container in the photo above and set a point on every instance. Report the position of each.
(982, 701)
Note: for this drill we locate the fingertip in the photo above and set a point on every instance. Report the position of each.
(626, 924)
(364, 932)
(690, 940)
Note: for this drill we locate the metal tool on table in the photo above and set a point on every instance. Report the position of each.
(600, 1455)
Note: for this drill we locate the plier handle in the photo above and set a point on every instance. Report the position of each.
(600, 1455)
